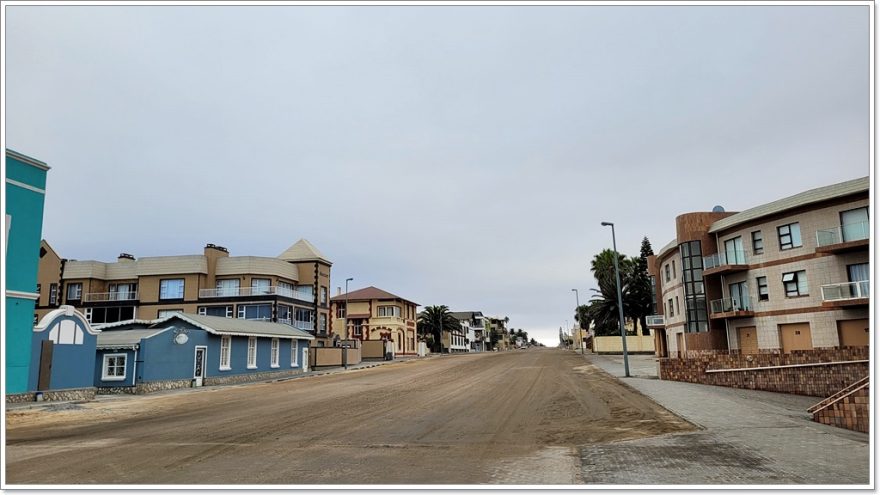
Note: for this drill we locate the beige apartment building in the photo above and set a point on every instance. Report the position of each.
(789, 275)
(291, 288)
(374, 314)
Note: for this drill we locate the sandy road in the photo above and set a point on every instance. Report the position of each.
(512, 417)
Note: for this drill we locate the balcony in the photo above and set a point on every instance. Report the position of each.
(730, 307)
(846, 294)
(725, 262)
(300, 293)
(304, 325)
(655, 321)
(110, 296)
(843, 238)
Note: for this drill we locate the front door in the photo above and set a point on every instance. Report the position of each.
(45, 377)
(748, 340)
(199, 367)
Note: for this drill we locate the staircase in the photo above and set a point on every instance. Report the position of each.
(847, 408)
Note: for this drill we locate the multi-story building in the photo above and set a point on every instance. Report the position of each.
(788, 275)
(497, 325)
(25, 197)
(291, 288)
(473, 326)
(374, 314)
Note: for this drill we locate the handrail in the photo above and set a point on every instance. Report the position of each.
(727, 304)
(856, 231)
(846, 290)
(111, 296)
(833, 398)
(295, 293)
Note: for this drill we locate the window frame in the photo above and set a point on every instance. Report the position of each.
(275, 354)
(105, 363)
(79, 288)
(182, 289)
(252, 358)
(225, 351)
(796, 279)
(757, 249)
(53, 294)
(789, 244)
(761, 283)
(294, 350)
(666, 269)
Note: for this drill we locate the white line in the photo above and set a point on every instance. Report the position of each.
(787, 366)
(25, 186)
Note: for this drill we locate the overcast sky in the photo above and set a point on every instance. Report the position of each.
(451, 155)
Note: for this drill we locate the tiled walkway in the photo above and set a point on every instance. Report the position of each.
(748, 437)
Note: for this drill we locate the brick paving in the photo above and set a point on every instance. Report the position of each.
(747, 437)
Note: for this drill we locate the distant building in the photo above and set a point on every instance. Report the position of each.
(790, 275)
(497, 326)
(473, 325)
(374, 314)
(25, 197)
(291, 288)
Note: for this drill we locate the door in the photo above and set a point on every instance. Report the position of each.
(860, 274)
(45, 379)
(853, 333)
(748, 340)
(679, 340)
(854, 224)
(733, 250)
(199, 366)
(795, 337)
(739, 296)
(305, 356)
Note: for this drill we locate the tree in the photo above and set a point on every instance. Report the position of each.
(582, 316)
(641, 294)
(434, 320)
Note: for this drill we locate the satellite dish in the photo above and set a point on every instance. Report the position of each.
(718, 209)
(181, 339)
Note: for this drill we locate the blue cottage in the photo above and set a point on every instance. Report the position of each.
(63, 355)
(188, 350)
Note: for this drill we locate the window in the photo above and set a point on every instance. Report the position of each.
(356, 327)
(671, 313)
(763, 291)
(255, 311)
(789, 236)
(696, 311)
(389, 311)
(860, 279)
(252, 353)
(260, 286)
(224, 311)
(757, 242)
(168, 312)
(284, 311)
(323, 295)
(114, 368)
(225, 352)
(305, 319)
(854, 224)
(322, 323)
(109, 314)
(123, 292)
(275, 350)
(293, 354)
(677, 308)
(733, 251)
(53, 294)
(285, 289)
(673, 269)
(795, 283)
(340, 310)
(171, 288)
(74, 292)
(667, 272)
(228, 287)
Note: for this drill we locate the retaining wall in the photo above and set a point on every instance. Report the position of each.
(850, 412)
(799, 372)
(53, 395)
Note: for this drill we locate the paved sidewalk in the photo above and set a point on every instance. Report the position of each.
(747, 437)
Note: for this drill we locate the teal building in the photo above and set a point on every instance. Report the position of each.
(25, 195)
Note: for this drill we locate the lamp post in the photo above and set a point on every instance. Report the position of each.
(577, 306)
(346, 308)
(619, 299)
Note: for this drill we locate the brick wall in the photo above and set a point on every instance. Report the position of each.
(818, 381)
(850, 412)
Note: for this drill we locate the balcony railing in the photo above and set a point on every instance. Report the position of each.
(737, 257)
(286, 321)
(302, 294)
(304, 325)
(110, 296)
(846, 290)
(655, 320)
(730, 304)
(844, 233)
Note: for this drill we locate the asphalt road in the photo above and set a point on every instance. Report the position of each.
(502, 418)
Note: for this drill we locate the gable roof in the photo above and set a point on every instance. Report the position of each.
(367, 294)
(819, 194)
(126, 339)
(303, 250)
(220, 325)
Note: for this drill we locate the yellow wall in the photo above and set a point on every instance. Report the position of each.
(634, 343)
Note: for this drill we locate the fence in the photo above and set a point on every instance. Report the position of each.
(614, 345)
(332, 356)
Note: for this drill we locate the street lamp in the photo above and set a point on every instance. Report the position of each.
(577, 307)
(619, 299)
(346, 309)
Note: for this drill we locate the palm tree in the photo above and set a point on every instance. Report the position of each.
(434, 320)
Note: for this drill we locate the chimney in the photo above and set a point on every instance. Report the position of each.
(339, 291)
(216, 247)
(125, 256)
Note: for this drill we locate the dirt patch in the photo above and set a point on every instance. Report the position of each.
(483, 418)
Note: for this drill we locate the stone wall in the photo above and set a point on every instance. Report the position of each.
(54, 395)
(850, 412)
(732, 369)
(147, 387)
(250, 377)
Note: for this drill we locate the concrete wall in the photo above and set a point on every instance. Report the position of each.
(332, 356)
(373, 349)
(614, 345)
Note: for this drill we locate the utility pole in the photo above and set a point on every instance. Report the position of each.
(619, 299)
